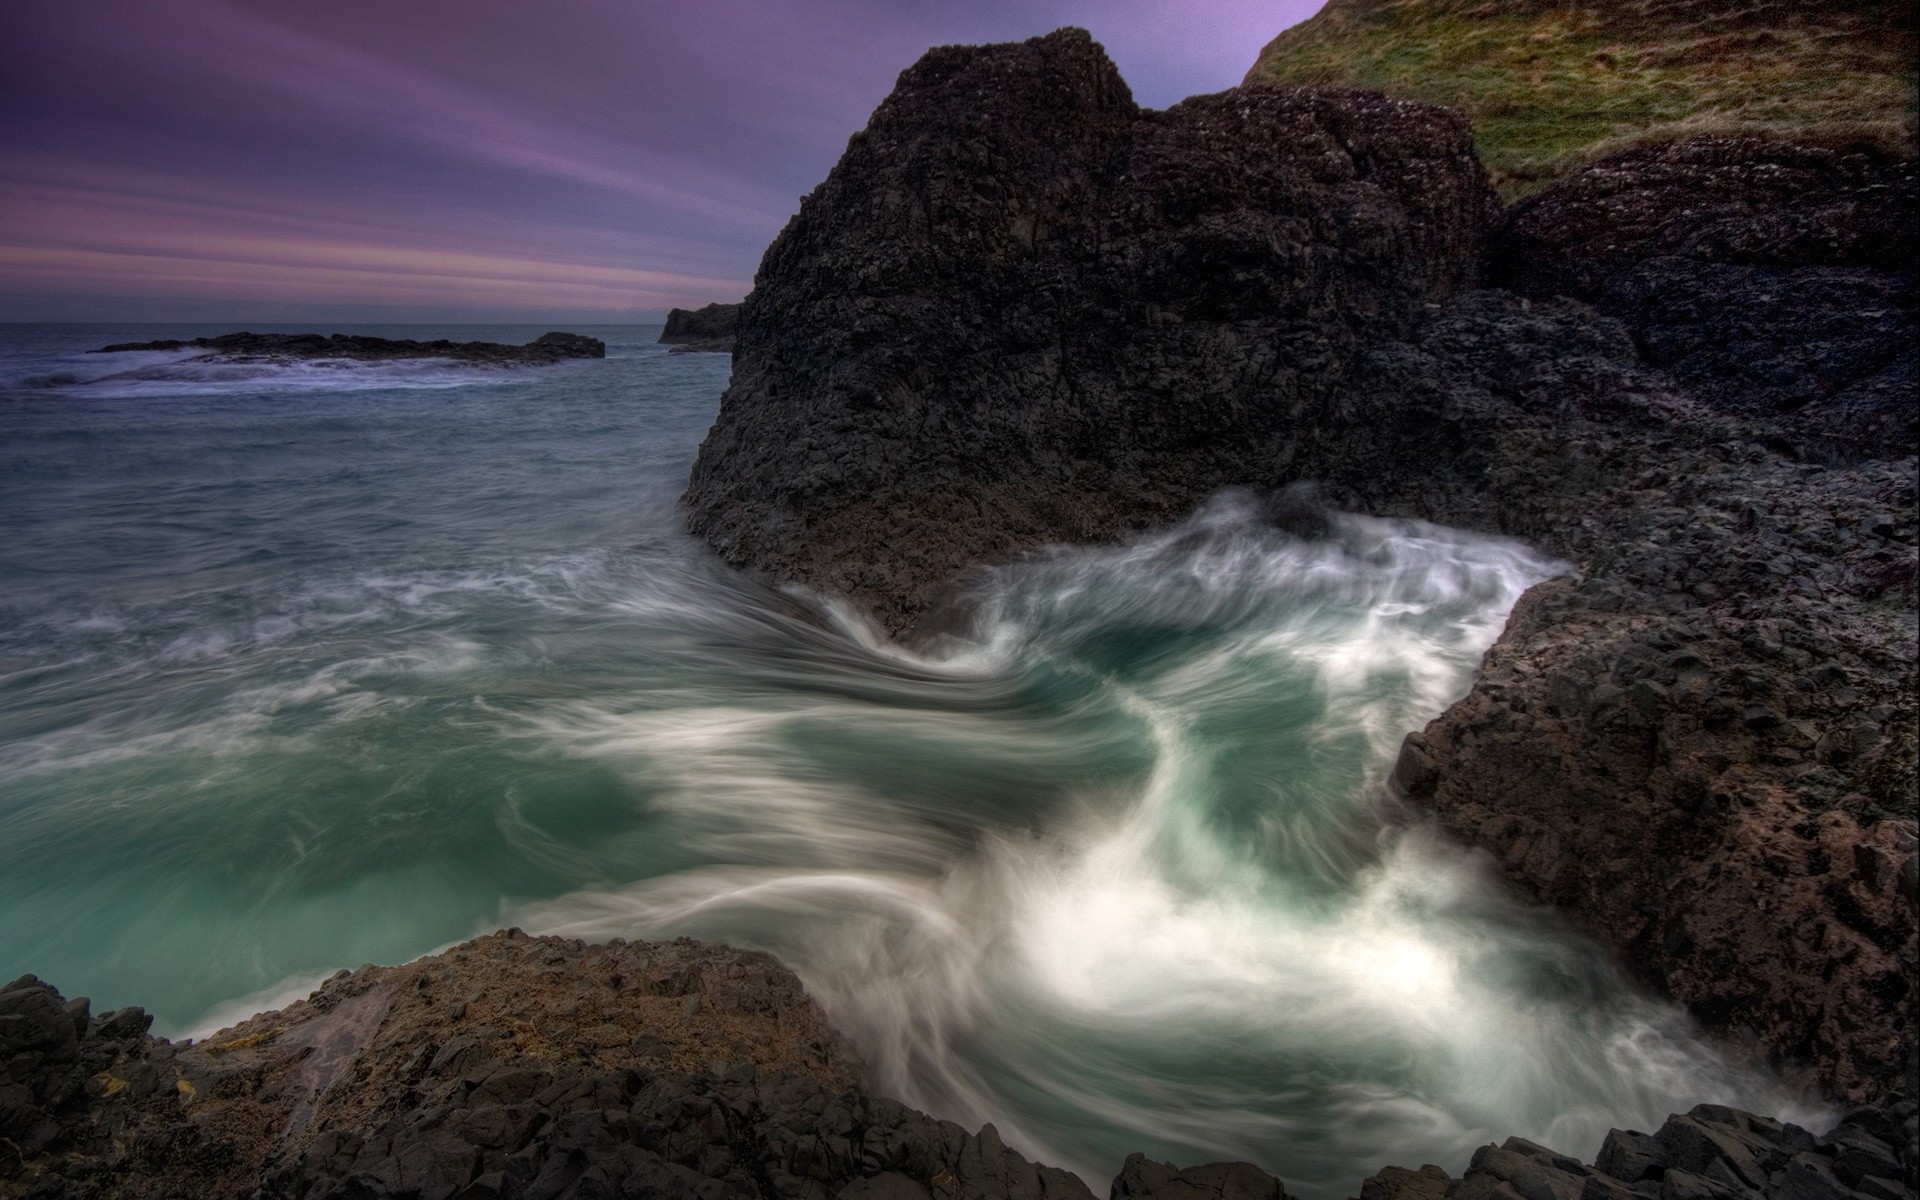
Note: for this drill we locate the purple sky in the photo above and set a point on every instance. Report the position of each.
(472, 159)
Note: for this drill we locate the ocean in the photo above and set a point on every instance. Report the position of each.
(305, 666)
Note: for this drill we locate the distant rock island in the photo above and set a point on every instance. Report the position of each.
(244, 346)
(710, 328)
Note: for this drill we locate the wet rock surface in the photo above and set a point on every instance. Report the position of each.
(513, 1067)
(252, 347)
(709, 328)
(507, 1067)
(1021, 311)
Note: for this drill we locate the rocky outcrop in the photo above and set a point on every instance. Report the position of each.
(516, 1068)
(506, 1068)
(711, 328)
(1022, 311)
(544, 350)
(1771, 280)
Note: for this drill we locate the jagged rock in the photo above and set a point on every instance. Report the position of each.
(511, 1067)
(546, 349)
(1141, 1178)
(598, 1078)
(711, 328)
(1021, 310)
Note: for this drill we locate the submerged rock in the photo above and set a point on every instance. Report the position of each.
(253, 347)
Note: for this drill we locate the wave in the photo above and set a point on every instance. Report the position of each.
(1114, 868)
(138, 374)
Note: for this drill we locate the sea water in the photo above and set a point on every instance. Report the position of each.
(309, 665)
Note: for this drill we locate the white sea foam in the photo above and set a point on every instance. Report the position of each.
(163, 374)
(1227, 956)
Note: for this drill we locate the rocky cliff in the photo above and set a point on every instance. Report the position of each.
(517, 1068)
(1021, 311)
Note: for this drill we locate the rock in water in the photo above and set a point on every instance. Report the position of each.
(248, 347)
(1022, 310)
(709, 328)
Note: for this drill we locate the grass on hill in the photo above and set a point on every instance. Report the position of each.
(1553, 84)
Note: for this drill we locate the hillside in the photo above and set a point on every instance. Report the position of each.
(1552, 84)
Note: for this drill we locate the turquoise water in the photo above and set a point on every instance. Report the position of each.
(308, 666)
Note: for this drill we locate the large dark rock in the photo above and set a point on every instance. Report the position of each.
(1021, 310)
(1774, 280)
(546, 349)
(709, 328)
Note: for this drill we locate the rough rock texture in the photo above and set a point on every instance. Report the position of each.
(1702, 747)
(513, 1068)
(1711, 1153)
(250, 347)
(509, 1067)
(1773, 280)
(711, 328)
(1021, 310)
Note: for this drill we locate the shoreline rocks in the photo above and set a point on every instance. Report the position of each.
(709, 329)
(1021, 312)
(515, 1068)
(544, 350)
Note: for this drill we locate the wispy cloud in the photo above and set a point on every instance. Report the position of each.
(573, 154)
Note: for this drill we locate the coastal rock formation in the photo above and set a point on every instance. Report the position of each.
(1021, 311)
(1771, 280)
(710, 328)
(508, 1067)
(517, 1068)
(546, 349)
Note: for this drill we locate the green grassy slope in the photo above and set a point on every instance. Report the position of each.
(1551, 84)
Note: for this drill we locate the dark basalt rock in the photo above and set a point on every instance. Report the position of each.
(1021, 310)
(510, 1067)
(1774, 280)
(546, 349)
(711, 328)
(516, 1068)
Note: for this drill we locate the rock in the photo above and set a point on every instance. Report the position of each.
(711, 328)
(546, 349)
(1773, 280)
(510, 1108)
(1021, 310)
(1141, 1178)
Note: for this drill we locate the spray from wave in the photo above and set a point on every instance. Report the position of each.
(1118, 871)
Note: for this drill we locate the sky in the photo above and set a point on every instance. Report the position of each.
(483, 160)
